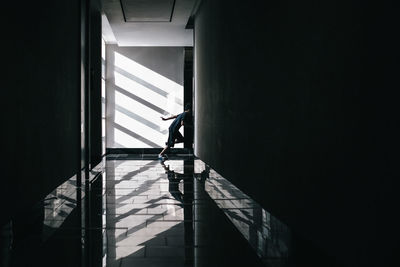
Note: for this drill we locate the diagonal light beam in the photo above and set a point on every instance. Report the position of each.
(147, 74)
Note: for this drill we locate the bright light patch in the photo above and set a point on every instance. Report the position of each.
(141, 91)
(103, 128)
(122, 252)
(141, 97)
(126, 140)
(148, 75)
(130, 124)
(137, 107)
(103, 49)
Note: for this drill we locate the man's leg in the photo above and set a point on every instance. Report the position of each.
(179, 138)
(169, 143)
(163, 151)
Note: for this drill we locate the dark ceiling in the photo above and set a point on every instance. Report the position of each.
(148, 10)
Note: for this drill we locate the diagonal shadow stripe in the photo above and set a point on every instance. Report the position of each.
(140, 81)
(134, 135)
(141, 100)
(129, 175)
(146, 84)
(136, 210)
(139, 118)
(143, 188)
(67, 198)
(235, 216)
(137, 228)
(178, 101)
(140, 226)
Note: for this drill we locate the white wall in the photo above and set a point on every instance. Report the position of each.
(143, 84)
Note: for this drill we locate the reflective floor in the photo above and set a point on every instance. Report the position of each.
(138, 211)
(163, 214)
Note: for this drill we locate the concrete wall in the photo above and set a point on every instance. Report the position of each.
(143, 84)
(40, 94)
(299, 97)
(95, 84)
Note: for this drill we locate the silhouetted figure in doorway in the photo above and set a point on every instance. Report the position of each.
(174, 135)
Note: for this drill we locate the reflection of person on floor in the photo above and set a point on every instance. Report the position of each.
(174, 179)
(174, 135)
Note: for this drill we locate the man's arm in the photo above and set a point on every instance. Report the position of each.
(185, 114)
(169, 118)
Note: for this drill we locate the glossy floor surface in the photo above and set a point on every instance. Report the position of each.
(139, 211)
(160, 214)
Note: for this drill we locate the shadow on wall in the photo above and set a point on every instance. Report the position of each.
(137, 97)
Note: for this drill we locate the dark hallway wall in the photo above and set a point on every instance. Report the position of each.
(95, 83)
(41, 98)
(299, 96)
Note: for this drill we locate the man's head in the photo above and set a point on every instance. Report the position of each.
(188, 107)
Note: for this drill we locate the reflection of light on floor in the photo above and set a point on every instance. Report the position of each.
(123, 252)
(267, 235)
(59, 204)
(148, 227)
(152, 209)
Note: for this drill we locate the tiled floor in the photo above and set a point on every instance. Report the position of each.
(144, 214)
(139, 211)
(182, 213)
